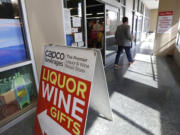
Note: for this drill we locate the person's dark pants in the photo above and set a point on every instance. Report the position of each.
(119, 52)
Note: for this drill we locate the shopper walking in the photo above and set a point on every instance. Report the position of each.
(124, 40)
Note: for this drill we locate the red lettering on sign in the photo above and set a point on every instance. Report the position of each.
(166, 13)
(64, 100)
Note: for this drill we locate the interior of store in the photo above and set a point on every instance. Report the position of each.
(95, 23)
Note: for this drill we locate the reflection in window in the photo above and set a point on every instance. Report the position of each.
(111, 22)
(146, 25)
(111, 26)
(12, 43)
(122, 14)
(142, 8)
(136, 5)
(139, 29)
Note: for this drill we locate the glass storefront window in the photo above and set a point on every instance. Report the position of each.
(111, 26)
(122, 14)
(139, 28)
(12, 38)
(147, 12)
(76, 37)
(136, 5)
(146, 25)
(142, 8)
(17, 92)
(111, 22)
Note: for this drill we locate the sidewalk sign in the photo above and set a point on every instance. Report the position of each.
(71, 79)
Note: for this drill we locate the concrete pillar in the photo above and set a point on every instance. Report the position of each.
(45, 19)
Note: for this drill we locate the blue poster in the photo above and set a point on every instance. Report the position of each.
(12, 48)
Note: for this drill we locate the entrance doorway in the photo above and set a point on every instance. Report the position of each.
(95, 15)
(95, 23)
(102, 22)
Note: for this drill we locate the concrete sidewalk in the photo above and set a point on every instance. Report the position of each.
(145, 99)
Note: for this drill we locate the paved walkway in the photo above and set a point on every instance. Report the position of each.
(145, 99)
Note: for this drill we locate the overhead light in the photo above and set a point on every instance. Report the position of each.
(95, 17)
(16, 17)
(14, 1)
(89, 14)
(100, 13)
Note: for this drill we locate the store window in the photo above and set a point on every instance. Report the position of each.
(111, 26)
(74, 23)
(17, 84)
(17, 92)
(147, 12)
(136, 5)
(111, 22)
(139, 6)
(122, 14)
(139, 28)
(146, 25)
(142, 8)
(12, 38)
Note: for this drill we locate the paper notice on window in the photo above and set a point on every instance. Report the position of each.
(67, 21)
(74, 30)
(74, 45)
(78, 37)
(76, 21)
(107, 28)
(81, 44)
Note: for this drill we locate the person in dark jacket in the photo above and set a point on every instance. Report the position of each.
(124, 40)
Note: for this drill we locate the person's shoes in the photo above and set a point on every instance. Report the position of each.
(130, 63)
(133, 62)
(116, 66)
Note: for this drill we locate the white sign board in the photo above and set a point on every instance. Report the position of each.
(165, 21)
(71, 78)
(67, 21)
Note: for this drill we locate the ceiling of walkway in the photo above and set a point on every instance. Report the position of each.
(151, 4)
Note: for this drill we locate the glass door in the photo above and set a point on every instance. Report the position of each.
(139, 29)
(135, 26)
(111, 23)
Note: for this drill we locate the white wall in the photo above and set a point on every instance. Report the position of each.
(45, 18)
